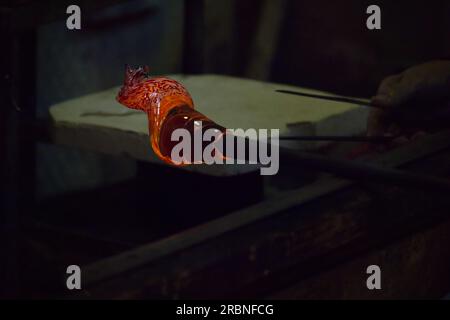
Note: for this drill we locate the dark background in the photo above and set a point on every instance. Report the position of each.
(322, 44)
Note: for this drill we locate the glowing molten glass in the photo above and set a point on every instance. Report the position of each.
(168, 105)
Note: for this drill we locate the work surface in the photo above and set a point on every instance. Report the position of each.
(98, 122)
(313, 242)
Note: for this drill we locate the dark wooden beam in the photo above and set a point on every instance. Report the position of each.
(209, 37)
(18, 22)
(29, 14)
(17, 139)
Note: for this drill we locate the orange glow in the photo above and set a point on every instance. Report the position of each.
(168, 105)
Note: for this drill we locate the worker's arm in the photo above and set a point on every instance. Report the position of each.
(418, 98)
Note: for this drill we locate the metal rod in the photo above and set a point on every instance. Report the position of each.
(359, 171)
(330, 98)
(355, 170)
(374, 139)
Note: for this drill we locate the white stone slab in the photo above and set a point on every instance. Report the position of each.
(98, 122)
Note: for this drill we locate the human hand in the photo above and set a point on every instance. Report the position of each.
(417, 99)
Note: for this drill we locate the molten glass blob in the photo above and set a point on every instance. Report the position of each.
(168, 105)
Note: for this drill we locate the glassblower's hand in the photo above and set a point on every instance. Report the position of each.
(417, 99)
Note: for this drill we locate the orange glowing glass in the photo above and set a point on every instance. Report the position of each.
(168, 105)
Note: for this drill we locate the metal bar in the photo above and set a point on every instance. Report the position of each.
(330, 98)
(356, 170)
(360, 171)
(375, 139)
